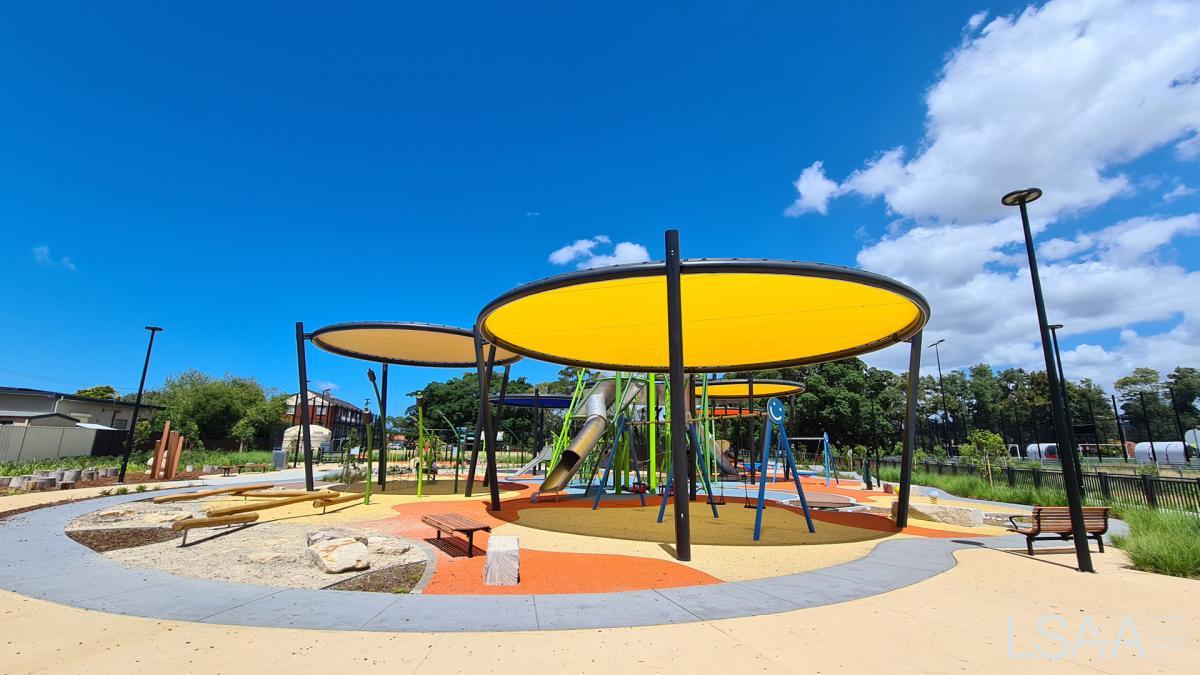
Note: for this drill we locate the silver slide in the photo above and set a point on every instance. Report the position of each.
(596, 406)
(543, 456)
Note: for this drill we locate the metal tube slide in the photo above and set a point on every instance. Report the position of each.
(571, 459)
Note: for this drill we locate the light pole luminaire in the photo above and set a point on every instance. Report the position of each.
(1022, 198)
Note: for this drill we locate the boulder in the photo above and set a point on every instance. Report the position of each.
(40, 483)
(940, 513)
(87, 474)
(18, 482)
(503, 564)
(71, 475)
(166, 517)
(58, 475)
(333, 556)
(335, 533)
(112, 515)
(385, 546)
(5, 480)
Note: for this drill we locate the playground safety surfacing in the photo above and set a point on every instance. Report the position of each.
(579, 567)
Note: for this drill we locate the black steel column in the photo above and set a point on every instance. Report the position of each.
(305, 431)
(499, 409)
(1187, 455)
(679, 432)
(1149, 428)
(491, 425)
(480, 429)
(1062, 379)
(1021, 198)
(910, 430)
(383, 424)
(1120, 429)
(137, 405)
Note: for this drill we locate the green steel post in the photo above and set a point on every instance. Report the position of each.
(370, 436)
(420, 446)
(652, 431)
(560, 441)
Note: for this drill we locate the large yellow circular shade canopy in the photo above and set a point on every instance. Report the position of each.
(410, 344)
(737, 315)
(740, 389)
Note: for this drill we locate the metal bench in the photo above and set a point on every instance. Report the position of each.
(452, 522)
(1056, 522)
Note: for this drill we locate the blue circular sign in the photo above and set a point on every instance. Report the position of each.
(775, 409)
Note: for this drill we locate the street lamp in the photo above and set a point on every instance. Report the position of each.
(137, 405)
(1062, 380)
(1083, 556)
(942, 386)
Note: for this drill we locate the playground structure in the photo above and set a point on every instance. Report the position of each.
(167, 450)
(786, 314)
(812, 313)
(247, 513)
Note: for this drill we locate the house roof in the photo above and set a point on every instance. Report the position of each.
(22, 391)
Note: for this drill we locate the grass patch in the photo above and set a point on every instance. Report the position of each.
(975, 487)
(137, 461)
(1166, 542)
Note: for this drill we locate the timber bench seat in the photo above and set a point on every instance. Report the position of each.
(452, 522)
(1055, 521)
(256, 467)
(227, 469)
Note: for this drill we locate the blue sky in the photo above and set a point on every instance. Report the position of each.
(225, 169)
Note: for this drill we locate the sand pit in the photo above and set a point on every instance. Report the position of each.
(270, 553)
(734, 527)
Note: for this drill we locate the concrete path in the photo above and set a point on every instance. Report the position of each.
(38, 560)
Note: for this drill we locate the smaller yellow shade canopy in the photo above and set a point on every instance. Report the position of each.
(409, 344)
(741, 388)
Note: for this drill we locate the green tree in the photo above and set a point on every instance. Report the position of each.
(987, 450)
(1185, 382)
(261, 419)
(204, 408)
(104, 391)
(1143, 405)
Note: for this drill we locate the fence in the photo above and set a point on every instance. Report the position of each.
(1140, 490)
(19, 443)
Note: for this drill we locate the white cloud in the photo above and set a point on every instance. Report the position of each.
(1062, 96)
(584, 252)
(815, 191)
(1178, 191)
(976, 20)
(580, 248)
(1054, 97)
(322, 385)
(41, 256)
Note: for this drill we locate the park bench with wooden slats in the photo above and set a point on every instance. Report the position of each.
(452, 522)
(1055, 521)
(256, 467)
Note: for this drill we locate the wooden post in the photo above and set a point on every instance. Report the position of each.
(159, 447)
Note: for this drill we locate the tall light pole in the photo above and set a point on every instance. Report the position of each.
(1083, 556)
(137, 405)
(942, 386)
(1062, 380)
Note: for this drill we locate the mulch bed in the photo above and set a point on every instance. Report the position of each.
(394, 579)
(115, 539)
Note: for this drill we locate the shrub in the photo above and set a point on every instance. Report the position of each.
(122, 490)
(141, 487)
(106, 492)
(1166, 542)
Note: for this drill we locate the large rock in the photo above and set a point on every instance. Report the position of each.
(338, 555)
(166, 517)
(385, 546)
(335, 533)
(939, 513)
(113, 515)
(503, 564)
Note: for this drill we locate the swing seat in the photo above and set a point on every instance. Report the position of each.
(639, 488)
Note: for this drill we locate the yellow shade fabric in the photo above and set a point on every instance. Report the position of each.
(413, 344)
(737, 315)
(741, 388)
